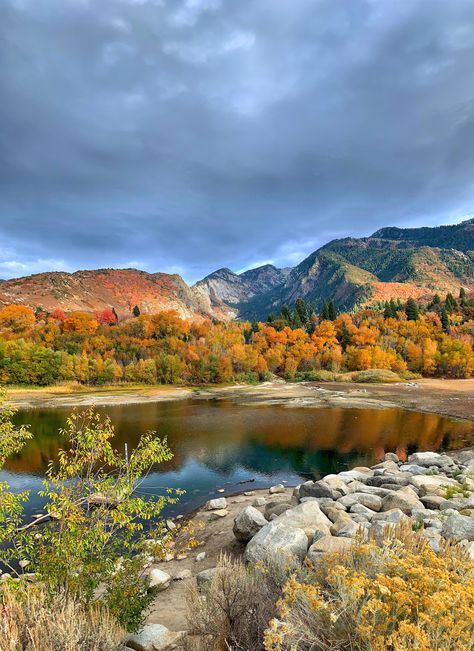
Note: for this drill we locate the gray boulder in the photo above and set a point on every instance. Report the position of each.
(373, 502)
(458, 527)
(318, 489)
(327, 545)
(247, 523)
(155, 637)
(404, 499)
(430, 459)
(307, 516)
(277, 541)
(205, 577)
(216, 504)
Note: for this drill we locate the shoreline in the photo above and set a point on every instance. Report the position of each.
(452, 398)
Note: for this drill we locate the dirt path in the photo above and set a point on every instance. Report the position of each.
(447, 397)
(169, 607)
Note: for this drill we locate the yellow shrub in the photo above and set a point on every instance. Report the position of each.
(394, 597)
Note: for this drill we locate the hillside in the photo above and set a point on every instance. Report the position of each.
(121, 289)
(391, 263)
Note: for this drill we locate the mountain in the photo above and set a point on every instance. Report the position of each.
(391, 263)
(225, 286)
(122, 289)
(353, 272)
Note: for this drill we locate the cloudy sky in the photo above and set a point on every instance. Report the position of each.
(186, 135)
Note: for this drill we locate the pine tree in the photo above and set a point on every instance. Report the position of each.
(445, 319)
(450, 303)
(136, 311)
(393, 308)
(462, 297)
(285, 313)
(411, 309)
(345, 338)
(436, 299)
(325, 313)
(301, 310)
(332, 314)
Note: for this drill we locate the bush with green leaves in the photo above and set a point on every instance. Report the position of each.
(93, 543)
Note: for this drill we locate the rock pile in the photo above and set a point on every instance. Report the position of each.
(431, 491)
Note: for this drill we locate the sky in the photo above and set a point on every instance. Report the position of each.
(188, 135)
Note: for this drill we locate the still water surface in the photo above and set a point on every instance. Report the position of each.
(220, 444)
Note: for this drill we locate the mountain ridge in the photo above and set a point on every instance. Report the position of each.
(353, 272)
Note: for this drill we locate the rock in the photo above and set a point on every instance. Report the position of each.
(154, 637)
(373, 502)
(259, 501)
(205, 577)
(200, 557)
(457, 503)
(360, 509)
(430, 459)
(392, 516)
(183, 575)
(247, 523)
(387, 467)
(318, 489)
(361, 517)
(336, 484)
(277, 541)
(279, 488)
(432, 501)
(219, 513)
(276, 509)
(434, 538)
(221, 490)
(344, 527)
(333, 513)
(413, 469)
(240, 499)
(469, 547)
(331, 506)
(391, 456)
(355, 475)
(249, 493)
(325, 545)
(432, 484)
(307, 516)
(217, 504)
(405, 499)
(380, 480)
(458, 527)
(158, 579)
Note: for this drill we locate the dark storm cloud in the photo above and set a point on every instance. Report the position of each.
(184, 135)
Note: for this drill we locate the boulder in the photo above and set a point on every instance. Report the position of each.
(430, 459)
(386, 467)
(154, 637)
(247, 523)
(158, 580)
(333, 513)
(336, 483)
(183, 575)
(360, 509)
(276, 509)
(433, 537)
(404, 499)
(205, 577)
(279, 488)
(277, 541)
(373, 502)
(259, 501)
(327, 544)
(307, 516)
(216, 504)
(413, 469)
(391, 456)
(393, 516)
(380, 480)
(458, 527)
(218, 513)
(345, 527)
(432, 484)
(355, 475)
(457, 503)
(318, 489)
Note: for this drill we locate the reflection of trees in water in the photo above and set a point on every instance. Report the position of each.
(264, 439)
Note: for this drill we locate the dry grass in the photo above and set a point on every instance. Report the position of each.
(31, 622)
(233, 612)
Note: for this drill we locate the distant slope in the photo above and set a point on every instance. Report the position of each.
(121, 289)
(392, 263)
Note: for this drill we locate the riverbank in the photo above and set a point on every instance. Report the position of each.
(445, 397)
(433, 493)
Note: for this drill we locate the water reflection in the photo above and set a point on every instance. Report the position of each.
(222, 443)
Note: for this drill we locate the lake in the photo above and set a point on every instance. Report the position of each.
(221, 444)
